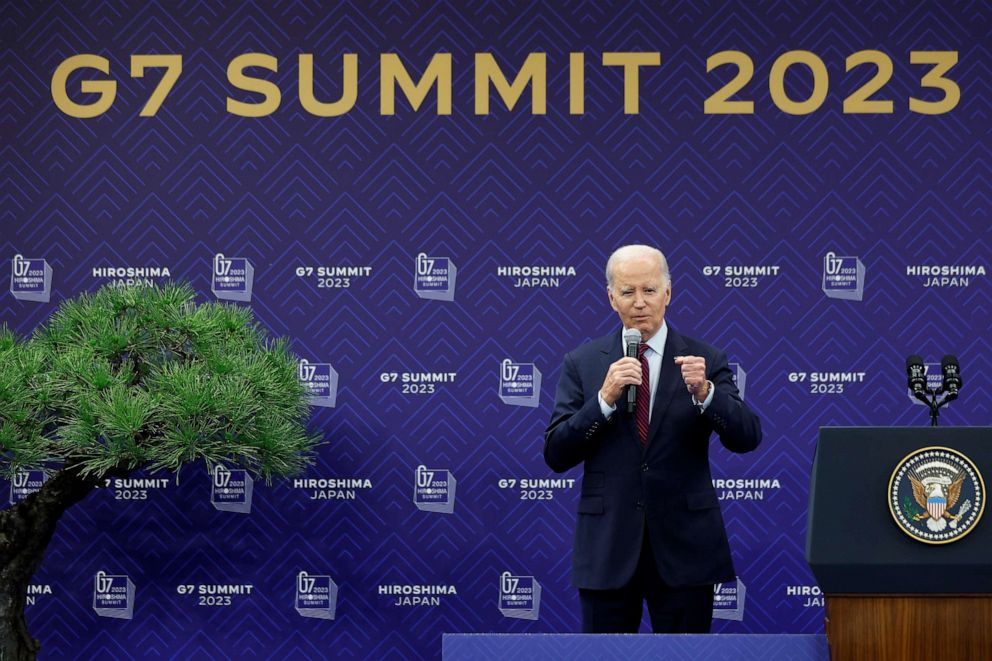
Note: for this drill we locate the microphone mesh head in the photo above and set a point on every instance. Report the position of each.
(952, 372)
(631, 335)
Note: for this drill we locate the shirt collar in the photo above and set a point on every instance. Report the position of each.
(657, 341)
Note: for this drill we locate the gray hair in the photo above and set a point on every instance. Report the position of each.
(635, 251)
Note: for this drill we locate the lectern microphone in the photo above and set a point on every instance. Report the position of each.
(952, 376)
(917, 377)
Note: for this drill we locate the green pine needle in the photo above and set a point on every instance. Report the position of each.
(144, 377)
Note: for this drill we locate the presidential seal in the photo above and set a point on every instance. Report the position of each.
(936, 495)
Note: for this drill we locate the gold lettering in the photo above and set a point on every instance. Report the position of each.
(349, 87)
(173, 65)
(107, 89)
(776, 82)
(631, 63)
(392, 71)
(576, 83)
(236, 76)
(533, 71)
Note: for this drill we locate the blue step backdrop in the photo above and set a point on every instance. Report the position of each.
(677, 647)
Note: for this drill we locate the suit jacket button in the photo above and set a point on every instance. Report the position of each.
(644, 467)
(640, 505)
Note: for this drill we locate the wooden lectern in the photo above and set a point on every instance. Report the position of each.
(889, 596)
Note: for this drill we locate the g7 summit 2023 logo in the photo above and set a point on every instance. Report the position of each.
(843, 277)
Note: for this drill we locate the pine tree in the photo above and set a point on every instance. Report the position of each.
(131, 378)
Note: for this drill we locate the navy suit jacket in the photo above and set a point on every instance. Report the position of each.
(663, 490)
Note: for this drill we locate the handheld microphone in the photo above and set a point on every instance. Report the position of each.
(631, 340)
(917, 377)
(952, 376)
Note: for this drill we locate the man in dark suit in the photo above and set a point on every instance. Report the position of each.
(649, 524)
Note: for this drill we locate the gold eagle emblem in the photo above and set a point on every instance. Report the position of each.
(936, 495)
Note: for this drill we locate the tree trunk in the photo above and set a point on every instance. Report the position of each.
(25, 531)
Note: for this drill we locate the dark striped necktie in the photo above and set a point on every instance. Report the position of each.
(642, 407)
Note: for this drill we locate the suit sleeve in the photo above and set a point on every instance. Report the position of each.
(737, 426)
(576, 421)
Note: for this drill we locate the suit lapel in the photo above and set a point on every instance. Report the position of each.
(612, 349)
(669, 381)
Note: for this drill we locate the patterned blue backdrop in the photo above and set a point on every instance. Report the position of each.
(771, 192)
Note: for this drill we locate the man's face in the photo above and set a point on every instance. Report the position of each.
(639, 295)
